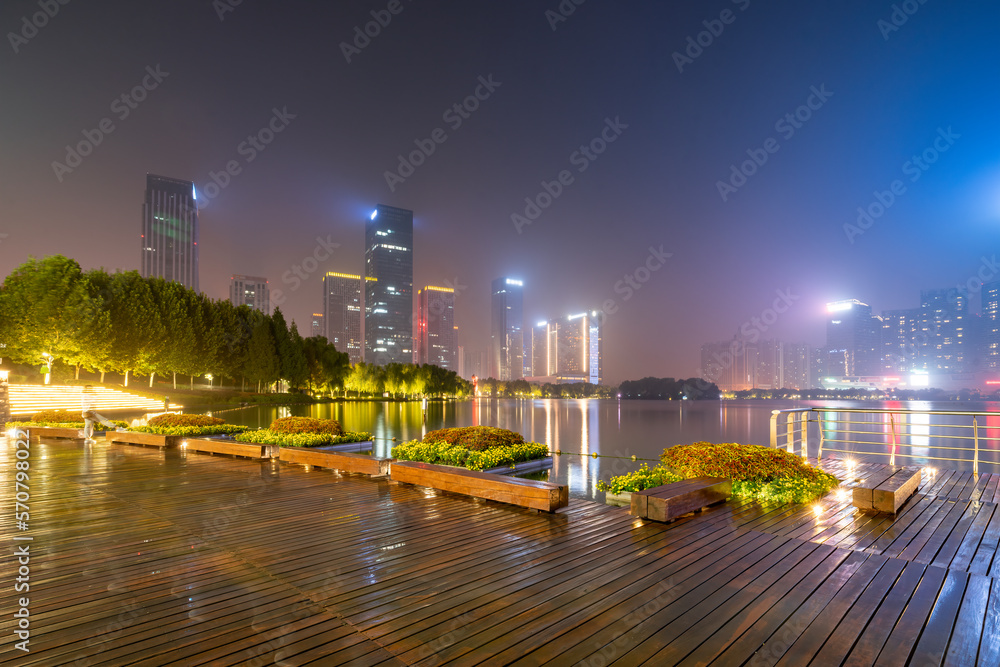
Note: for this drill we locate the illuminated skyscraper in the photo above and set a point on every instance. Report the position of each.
(437, 335)
(342, 313)
(389, 288)
(170, 231)
(899, 329)
(942, 331)
(252, 291)
(506, 334)
(569, 349)
(853, 340)
(318, 328)
(991, 326)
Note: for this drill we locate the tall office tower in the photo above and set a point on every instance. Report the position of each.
(318, 328)
(731, 364)
(389, 288)
(170, 231)
(506, 335)
(941, 332)
(342, 313)
(899, 330)
(476, 363)
(991, 326)
(853, 340)
(569, 349)
(542, 363)
(437, 335)
(770, 364)
(796, 366)
(251, 291)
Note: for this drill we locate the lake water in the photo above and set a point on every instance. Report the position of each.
(618, 430)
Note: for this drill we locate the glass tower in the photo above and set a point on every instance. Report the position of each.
(389, 288)
(170, 231)
(342, 312)
(506, 333)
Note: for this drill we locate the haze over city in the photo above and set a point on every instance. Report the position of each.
(683, 166)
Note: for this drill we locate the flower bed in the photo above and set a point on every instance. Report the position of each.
(219, 429)
(266, 436)
(475, 438)
(758, 473)
(456, 455)
(180, 420)
(293, 425)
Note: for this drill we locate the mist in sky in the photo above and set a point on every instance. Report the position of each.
(683, 166)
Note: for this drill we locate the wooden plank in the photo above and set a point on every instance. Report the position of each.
(543, 496)
(229, 447)
(345, 461)
(903, 637)
(875, 634)
(933, 644)
(989, 647)
(972, 538)
(669, 501)
(964, 645)
(53, 432)
(151, 439)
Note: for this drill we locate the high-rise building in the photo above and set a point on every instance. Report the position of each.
(318, 327)
(506, 334)
(991, 326)
(170, 231)
(437, 335)
(899, 329)
(389, 290)
(476, 363)
(731, 364)
(251, 291)
(569, 349)
(342, 313)
(853, 340)
(738, 365)
(942, 331)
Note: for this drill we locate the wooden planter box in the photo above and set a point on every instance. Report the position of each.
(231, 448)
(345, 461)
(888, 492)
(544, 496)
(623, 499)
(55, 432)
(145, 439)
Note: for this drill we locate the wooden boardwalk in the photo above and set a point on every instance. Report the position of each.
(152, 557)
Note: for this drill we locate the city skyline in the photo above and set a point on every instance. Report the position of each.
(657, 164)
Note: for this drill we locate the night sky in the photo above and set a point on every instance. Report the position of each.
(881, 94)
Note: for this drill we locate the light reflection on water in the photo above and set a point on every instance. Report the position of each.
(613, 428)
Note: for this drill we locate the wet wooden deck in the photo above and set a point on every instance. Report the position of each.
(151, 557)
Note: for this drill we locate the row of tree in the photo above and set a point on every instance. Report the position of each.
(124, 323)
(650, 388)
(514, 388)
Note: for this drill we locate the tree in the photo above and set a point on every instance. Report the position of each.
(294, 366)
(262, 358)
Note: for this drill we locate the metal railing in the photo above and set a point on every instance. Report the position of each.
(925, 435)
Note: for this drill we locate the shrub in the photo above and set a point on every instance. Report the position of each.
(758, 473)
(212, 429)
(169, 420)
(475, 438)
(266, 436)
(457, 455)
(305, 425)
(56, 416)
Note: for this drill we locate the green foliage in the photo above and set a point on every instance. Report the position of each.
(56, 416)
(218, 429)
(476, 438)
(640, 480)
(455, 455)
(266, 436)
(758, 473)
(77, 423)
(306, 425)
(184, 420)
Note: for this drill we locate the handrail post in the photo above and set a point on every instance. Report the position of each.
(822, 435)
(975, 437)
(774, 428)
(892, 427)
(790, 432)
(805, 435)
